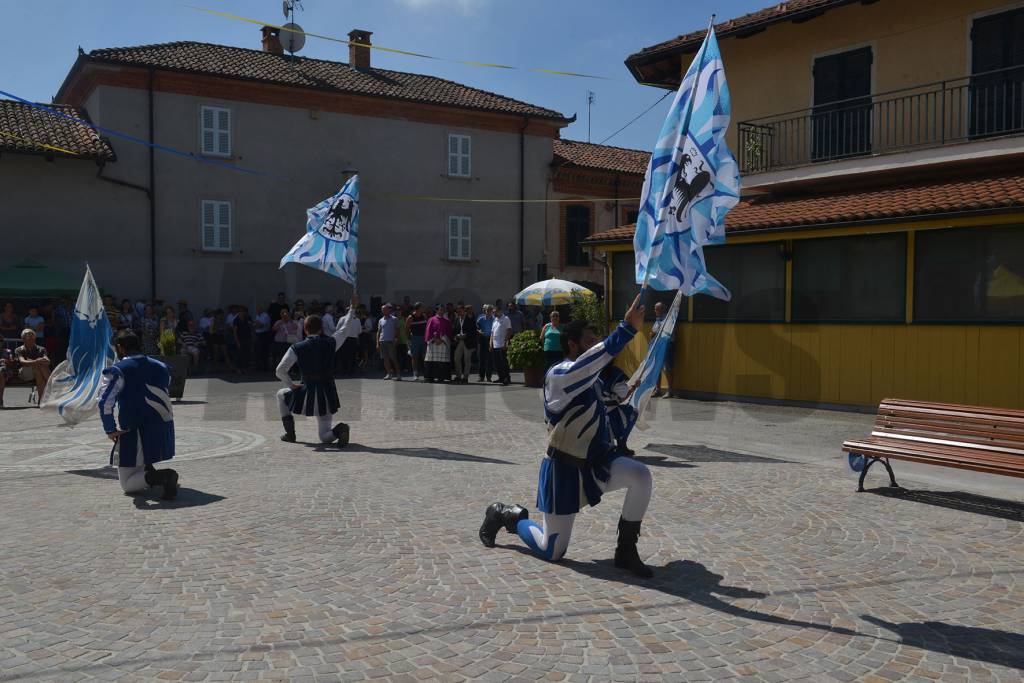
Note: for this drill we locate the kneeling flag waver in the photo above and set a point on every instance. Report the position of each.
(332, 229)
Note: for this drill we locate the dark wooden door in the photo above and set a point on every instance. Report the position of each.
(841, 123)
(997, 67)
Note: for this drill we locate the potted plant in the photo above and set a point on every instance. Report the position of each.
(526, 353)
(177, 362)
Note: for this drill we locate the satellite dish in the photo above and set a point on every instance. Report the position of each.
(292, 37)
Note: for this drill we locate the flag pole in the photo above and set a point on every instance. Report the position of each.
(659, 226)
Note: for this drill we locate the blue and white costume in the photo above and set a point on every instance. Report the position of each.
(614, 391)
(138, 386)
(581, 462)
(317, 396)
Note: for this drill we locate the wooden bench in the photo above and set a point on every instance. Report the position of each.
(946, 434)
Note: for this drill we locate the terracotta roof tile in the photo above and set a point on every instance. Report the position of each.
(783, 11)
(256, 65)
(26, 129)
(603, 157)
(1005, 191)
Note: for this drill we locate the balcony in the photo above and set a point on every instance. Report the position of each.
(966, 109)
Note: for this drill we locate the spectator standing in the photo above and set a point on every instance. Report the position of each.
(34, 364)
(218, 335)
(438, 337)
(169, 321)
(484, 357)
(111, 310)
(387, 338)
(449, 312)
(466, 334)
(35, 322)
(402, 345)
(192, 343)
(204, 321)
(286, 333)
(149, 326)
(262, 337)
(417, 322)
(275, 307)
(10, 327)
(243, 338)
(501, 332)
(552, 336)
(327, 318)
(126, 319)
(366, 337)
(7, 370)
(184, 315)
(515, 318)
(299, 316)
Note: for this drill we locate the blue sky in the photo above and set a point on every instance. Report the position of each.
(571, 35)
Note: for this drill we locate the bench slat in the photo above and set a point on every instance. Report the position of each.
(967, 429)
(926, 459)
(937, 450)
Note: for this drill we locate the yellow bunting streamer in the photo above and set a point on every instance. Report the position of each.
(455, 200)
(38, 144)
(487, 65)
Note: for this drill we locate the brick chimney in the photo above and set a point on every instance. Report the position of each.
(359, 55)
(272, 40)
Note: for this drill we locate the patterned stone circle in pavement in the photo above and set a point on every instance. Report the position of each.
(66, 448)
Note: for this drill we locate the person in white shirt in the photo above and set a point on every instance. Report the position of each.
(501, 332)
(328, 320)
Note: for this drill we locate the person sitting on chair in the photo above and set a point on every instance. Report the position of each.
(33, 361)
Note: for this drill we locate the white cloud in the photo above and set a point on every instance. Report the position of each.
(464, 6)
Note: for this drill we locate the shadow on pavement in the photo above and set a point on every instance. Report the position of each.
(187, 498)
(106, 472)
(661, 461)
(958, 500)
(698, 453)
(692, 581)
(981, 644)
(424, 452)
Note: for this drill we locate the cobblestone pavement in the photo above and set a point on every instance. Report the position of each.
(300, 562)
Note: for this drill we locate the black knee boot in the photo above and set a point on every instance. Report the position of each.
(621, 447)
(289, 428)
(626, 556)
(168, 479)
(340, 431)
(499, 515)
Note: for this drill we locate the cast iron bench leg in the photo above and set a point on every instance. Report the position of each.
(864, 473)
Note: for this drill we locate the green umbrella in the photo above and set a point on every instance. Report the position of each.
(33, 279)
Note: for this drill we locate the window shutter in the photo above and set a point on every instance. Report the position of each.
(215, 123)
(224, 132)
(453, 237)
(465, 237)
(464, 170)
(208, 130)
(209, 225)
(224, 226)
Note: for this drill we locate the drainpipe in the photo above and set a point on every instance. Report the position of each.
(522, 196)
(152, 193)
(615, 221)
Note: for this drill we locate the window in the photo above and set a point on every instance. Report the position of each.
(577, 229)
(756, 276)
(629, 214)
(842, 105)
(459, 229)
(216, 225)
(215, 123)
(969, 275)
(850, 279)
(997, 94)
(458, 156)
(625, 288)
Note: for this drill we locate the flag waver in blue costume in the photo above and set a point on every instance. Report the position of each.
(582, 461)
(143, 432)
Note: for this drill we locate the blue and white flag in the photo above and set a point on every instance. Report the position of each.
(692, 181)
(74, 386)
(646, 377)
(332, 229)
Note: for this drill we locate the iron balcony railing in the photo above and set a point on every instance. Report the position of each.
(973, 107)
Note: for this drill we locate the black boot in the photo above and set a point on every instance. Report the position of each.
(499, 515)
(626, 556)
(289, 428)
(622, 448)
(340, 430)
(168, 479)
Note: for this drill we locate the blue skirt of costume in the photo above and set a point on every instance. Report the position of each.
(563, 488)
(314, 398)
(146, 444)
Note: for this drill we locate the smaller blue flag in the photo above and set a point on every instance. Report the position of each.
(332, 231)
(74, 385)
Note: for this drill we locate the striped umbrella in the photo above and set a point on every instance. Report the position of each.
(550, 293)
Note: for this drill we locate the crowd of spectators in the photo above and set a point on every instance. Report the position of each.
(441, 343)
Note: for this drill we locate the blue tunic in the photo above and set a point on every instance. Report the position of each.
(318, 395)
(138, 385)
(580, 446)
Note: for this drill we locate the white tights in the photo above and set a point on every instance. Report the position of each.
(323, 422)
(551, 539)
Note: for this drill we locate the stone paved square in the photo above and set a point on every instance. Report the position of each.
(299, 562)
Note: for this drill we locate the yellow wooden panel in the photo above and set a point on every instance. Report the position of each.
(883, 360)
(854, 364)
(999, 356)
(972, 337)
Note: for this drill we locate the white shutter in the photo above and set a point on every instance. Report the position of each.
(453, 237)
(466, 224)
(215, 124)
(464, 169)
(458, 155)
(216, 228)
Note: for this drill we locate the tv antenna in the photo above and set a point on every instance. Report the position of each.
(292, 36)
(591, 98)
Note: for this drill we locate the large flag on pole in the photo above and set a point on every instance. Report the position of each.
(692, 181)
(646, 377)
(332, 229)
(74, 386)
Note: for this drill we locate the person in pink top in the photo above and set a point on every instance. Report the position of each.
(439, 343)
